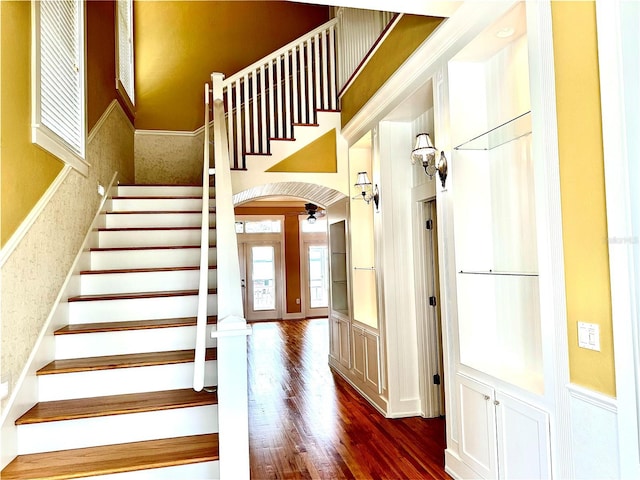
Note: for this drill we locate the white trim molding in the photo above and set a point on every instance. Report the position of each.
(114, 105)
(614, 29)
(33, 215)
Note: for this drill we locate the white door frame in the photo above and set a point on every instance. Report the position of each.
(276, 314)
(623, 240)
(428, 316)
(307, 240)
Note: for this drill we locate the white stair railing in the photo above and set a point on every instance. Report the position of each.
(266, 99)
(358, 31)
(232, 329)
(203, 288)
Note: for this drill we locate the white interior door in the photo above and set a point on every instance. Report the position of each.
(316, 279)
(433, 368)
(263, 281)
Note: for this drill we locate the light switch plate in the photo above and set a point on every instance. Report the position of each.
(589, 336)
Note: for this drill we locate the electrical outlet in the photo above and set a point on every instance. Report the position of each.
(297, 301)
(101, 190)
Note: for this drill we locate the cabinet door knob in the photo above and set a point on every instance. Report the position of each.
(496, 402)
(486, 397)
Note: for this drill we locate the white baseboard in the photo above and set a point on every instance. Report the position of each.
(455, 467)
(378, 402)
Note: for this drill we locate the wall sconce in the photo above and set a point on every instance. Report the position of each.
(426, 153)
(311, 211)
(368, 192)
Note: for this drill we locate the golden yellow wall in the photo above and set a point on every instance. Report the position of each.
(27, 171)
(584, 220)
(178, 45)
(402, 41)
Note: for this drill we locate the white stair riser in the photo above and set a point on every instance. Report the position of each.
(110, 430)
(118, 381)
(151, 258)
(161, 191)
(138, 309)
(158, 204)
(131, 282)
(201, 471)
(133, 220)
(152, 238)
(130, 341)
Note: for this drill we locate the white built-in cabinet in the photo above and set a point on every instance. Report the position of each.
(354, 337)
(500, 435)
(502, 428)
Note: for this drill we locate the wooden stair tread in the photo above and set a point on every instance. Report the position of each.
(154, 247)
(116, 405)
(143, 270)
(111, 459)
(154, 212)
(157, 197)
(131, 325)
(133, 296)
(148, 229)
(110, 362)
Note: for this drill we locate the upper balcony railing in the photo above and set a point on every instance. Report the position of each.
(265, 100)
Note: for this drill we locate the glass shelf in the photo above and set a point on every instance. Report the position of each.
(492, 272)
(515, 128)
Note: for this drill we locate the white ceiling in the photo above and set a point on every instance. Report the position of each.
(435, 8)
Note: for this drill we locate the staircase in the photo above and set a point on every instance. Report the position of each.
(117, 400)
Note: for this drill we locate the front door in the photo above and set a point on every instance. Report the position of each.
(262, 283)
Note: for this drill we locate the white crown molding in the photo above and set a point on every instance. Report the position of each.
(114, 105)
(35, 212)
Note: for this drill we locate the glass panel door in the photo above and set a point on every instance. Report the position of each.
(317, 280)
(263, 267)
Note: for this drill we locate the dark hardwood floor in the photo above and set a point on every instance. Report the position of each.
(306, 422)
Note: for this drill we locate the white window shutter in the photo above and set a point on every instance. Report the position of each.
(125, 47)
(58, 88)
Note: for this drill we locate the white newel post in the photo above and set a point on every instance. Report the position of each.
(233, 402)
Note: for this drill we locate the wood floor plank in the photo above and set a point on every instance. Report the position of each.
(122, 361)
(113, 458)
(306, 422)
(131, 325)
(131, 296)
(116, 405)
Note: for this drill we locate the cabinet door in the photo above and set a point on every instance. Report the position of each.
(334, 338)
(345, 343)
(359, 352)
(477, 427)
(523, 439)
(373, 361)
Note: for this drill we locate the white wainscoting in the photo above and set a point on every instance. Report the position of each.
(595, 434)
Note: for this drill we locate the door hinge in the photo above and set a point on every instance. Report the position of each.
(429, 224)
(436, 379)
(432, 301)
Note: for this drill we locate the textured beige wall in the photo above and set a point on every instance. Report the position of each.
(169, 159)
(33, 275)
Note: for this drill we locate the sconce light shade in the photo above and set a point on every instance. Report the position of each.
(368, 193)
(362, 180)
(425, 152)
